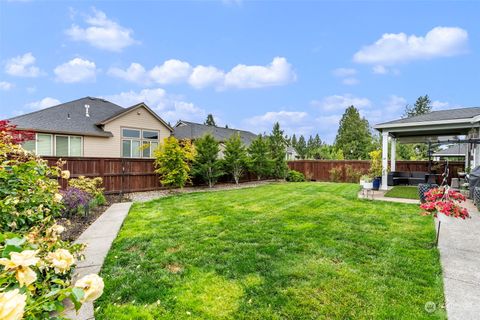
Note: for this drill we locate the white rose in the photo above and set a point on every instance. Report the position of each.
(58, 197)
(12, 305)
(61, 260)
(65, 174)
(92, 286)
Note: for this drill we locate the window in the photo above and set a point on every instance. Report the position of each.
(68, 146)
(29, 145)
(138, 143)
(44, 144)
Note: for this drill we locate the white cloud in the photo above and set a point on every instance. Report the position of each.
(170, 107)
(341, 102)
(394, 48)
(380, 69)
(135, 73)
(171, 71)
(76, 70)
(290, 121)
(22, 66)
(5, 86)
(350, 81)
(344, 72)
(394, 105)
(44, 103)
(205, 76)
(278, 72)
(102, 33)
(439, 105)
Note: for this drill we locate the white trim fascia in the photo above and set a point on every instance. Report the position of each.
(427, 123)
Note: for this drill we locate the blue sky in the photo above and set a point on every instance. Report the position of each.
(248, 63)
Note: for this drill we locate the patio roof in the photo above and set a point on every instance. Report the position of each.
(432, 126)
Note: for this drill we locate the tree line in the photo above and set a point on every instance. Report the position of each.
(355, 138)
(178, 161)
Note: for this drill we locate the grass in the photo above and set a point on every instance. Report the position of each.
(280, 251)
(403, 192)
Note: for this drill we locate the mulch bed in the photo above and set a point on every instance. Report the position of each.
(75, 225)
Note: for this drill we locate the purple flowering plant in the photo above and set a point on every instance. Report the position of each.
(74, 199)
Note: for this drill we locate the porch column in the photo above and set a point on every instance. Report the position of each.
(384, 160)
(393, 153)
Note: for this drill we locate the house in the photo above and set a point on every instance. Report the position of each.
(453, 152)
(94, 127)
(192, 131)
(291, 154)
(444, 127)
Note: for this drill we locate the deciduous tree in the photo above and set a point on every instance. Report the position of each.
(235, 157)
(172, 162)
(259, 160)
(206, 164)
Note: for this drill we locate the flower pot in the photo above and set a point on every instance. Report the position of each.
(368, 185)
(376, 183)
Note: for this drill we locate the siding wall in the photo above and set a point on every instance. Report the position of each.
(140, 118)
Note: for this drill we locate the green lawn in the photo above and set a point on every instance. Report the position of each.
(403, 192)
(281, 251)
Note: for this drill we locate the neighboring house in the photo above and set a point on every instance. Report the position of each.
(94, 127)
(291, 154)
(456, 152)
(192, 131)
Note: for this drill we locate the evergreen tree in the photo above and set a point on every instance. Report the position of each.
(210, 121)
(259, 157)
(293, 141)
(422, 105)
(206, 164)
(353, 137)
(172, 162)
(317, 141)
(278, 150)
(235, 157)
(301, 148)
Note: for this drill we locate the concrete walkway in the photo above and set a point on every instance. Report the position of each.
(380, 196)
(459, 247)
(98, 238)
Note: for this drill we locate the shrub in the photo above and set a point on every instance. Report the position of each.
(75, 200)
(295, 176)
(259, 160)
(172, 162)
(36, 266)
(336, 174)
(93, 186)
(376, 163)
(353, 175)
(235, 157)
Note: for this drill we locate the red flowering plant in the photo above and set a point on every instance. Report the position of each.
(16, 136)
(444, 200)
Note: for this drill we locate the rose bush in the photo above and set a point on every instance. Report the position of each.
(36, 266)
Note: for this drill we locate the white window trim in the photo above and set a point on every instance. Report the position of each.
(51, 144)
(142, 141)
(68, 136)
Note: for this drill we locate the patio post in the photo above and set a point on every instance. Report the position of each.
(393, 154)
(384, 160)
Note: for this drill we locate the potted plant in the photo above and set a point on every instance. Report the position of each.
(444, 204)
(376, 168)
(366, 182)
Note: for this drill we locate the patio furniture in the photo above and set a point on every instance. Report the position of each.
(407, 178)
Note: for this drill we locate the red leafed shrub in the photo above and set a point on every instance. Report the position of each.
(445, 201)
(9, 131)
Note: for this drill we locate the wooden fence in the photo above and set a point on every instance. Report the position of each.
(319, 170)
(119, 174)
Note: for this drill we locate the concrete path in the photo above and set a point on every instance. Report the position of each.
(98, 238)
(459, 247)
(380, 196)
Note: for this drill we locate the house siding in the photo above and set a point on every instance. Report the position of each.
(139, 118)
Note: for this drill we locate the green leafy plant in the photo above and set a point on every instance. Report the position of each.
(375, 163)
(295, 176)
(172, 162)
(235, 157)
(336, 174)
(352, 174)
(259, 160)
(93, 186)
(206, 164)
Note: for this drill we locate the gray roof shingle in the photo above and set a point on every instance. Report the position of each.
(192, 131)
(441, 115)
(458, 149)
(70, 117)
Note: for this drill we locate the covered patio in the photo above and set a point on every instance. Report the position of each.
(455, 126)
